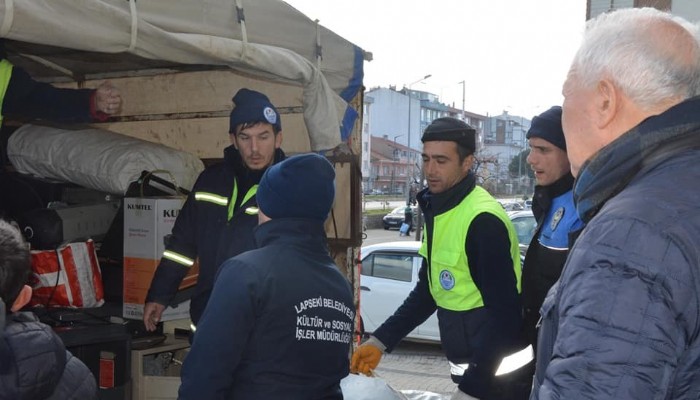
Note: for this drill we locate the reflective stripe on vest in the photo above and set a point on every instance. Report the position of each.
(449, 276)
(458, 369)
(211, 197)
(231, 205)
(5, 75)
(178, 258)
(516, 361)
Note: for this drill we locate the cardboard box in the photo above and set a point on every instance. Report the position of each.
(147, 221)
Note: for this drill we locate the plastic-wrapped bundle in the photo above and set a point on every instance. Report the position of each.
(95, 158)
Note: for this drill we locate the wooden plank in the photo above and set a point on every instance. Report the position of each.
(206, 137)
(199, 91)
(338, 226)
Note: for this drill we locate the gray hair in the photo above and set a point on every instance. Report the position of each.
(623, 46)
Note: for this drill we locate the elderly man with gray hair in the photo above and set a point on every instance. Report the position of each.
(623, 322)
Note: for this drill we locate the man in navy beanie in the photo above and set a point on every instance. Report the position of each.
(470, 273)
(280, 321)
(217, 220)
(557, 223)
(553, 207)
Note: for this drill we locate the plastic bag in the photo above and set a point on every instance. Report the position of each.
(69, 276)
(422, 395)
(360, 387)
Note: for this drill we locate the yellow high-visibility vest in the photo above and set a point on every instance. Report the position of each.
(450, 280)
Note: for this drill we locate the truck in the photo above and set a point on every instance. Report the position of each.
(177, 63)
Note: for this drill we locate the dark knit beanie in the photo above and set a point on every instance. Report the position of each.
(451, 129)
(548, 127)
(302, 186)
(251, 106)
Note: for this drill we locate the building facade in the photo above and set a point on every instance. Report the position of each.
(400, 117)
(504, 140)
(391, 171)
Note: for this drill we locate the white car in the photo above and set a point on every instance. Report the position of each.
(390, 271)
(525, 226)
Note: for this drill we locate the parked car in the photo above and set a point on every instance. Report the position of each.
(511, 205)
(525, 226)
(390, 271)
(395, 218)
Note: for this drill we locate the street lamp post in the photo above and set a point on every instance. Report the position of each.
(520, 164)
(409, 175)
(408, 92)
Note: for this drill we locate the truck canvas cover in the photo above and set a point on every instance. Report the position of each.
(266, 39)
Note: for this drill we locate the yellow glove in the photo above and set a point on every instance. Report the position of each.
(367, 356)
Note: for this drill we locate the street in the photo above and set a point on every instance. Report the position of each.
(375, 236)
(412, 365)
(417, 366)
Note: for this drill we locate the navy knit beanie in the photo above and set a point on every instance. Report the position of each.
(252, 106)
(548, 127)
(302, 186)
(451, 129)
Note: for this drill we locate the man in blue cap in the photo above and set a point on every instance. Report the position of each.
(280, 321)
(217, 220)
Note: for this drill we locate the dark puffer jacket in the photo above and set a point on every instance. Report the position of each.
(623, 322)
(35, 364)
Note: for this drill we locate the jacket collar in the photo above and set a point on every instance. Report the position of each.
(448, 199)
(544, 195)
(246, 177)
(644, 146)
(300, 231)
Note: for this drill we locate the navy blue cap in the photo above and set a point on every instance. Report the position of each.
(452, 130)
(302, 186)
(250, 107)
(547, 126)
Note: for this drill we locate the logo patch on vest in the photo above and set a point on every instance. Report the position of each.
(447, 280)
(556, 218)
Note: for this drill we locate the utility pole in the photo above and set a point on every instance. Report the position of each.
(395, 153)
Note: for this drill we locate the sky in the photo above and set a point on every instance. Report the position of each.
(513, 55)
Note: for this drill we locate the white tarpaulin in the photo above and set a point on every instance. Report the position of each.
(273, 41)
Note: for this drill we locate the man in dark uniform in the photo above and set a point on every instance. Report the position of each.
(554, 210)
(280, 321)
(557, 224)
(23, 97)
(470, 272)
(217, 220)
